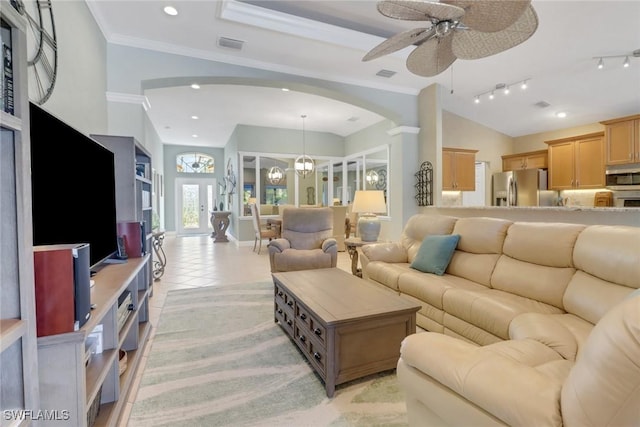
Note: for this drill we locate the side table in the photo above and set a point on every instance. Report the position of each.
(352, 244)
(220, 223)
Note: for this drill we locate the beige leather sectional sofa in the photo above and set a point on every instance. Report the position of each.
(512, 321)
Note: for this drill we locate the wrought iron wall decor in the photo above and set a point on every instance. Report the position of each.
(424, 186)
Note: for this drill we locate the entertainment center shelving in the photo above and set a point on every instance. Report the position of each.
(67, 380)
(18, 343)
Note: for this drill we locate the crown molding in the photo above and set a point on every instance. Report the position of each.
(256, 16)
(403, 129)
(129, 98)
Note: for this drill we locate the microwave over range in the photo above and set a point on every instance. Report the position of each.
(626, 177)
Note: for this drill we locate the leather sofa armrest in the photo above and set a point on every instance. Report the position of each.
(330, 244)
(386, 252)
(546, 330)
(278, 245)
(518, 381)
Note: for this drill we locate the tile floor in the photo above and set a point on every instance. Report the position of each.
(196, 261)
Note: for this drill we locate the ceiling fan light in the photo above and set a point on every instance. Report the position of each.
(626, 62)
(600, 64)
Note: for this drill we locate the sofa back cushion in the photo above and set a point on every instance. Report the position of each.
(608, 262)
(480, 246)
(602, 387)
(537, 261)
(421, 225)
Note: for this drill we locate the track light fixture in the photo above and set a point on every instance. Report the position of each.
(626, 63)
(504, 87)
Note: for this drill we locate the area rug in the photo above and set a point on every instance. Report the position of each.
(218, 359)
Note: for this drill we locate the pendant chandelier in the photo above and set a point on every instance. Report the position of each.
(275, 175)
(303, 164)
(372, 178)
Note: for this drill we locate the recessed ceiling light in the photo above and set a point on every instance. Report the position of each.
(194, 135)
(195, 117)
(284, 89)
(195, 86)
(561, 114)
(170, 10)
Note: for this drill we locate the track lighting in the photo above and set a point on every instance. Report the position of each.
(626, 56)
(505, 88)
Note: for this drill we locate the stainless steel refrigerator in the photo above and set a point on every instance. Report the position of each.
(527, 187)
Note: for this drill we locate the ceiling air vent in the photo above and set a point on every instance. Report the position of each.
(230, 43)
(385, 73)
(542, 104)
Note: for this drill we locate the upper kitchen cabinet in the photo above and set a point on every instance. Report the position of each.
(529, 160)
(622, 138)
(577, 162)
(458, 169)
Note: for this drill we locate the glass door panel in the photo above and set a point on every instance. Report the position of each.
(195, 203)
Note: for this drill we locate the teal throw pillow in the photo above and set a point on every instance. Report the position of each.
(435, 253)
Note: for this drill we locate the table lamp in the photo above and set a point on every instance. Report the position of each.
(367, 203)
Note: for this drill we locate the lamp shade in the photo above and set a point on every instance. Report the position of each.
(368, 203)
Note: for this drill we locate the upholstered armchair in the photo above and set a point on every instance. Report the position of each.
(306, 241)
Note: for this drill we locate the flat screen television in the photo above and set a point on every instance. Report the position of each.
(73, 187)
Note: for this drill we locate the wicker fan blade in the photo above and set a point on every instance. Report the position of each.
(419, 10)
(399, 41)
(470, 44)
(432, 57)
(490, 15)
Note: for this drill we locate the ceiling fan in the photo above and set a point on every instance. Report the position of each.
(465, 29)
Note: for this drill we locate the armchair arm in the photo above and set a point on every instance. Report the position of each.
(387, 252)
(328, 244)
(278, 245)
(516, 381)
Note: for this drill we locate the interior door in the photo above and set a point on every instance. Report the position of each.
(195, 201)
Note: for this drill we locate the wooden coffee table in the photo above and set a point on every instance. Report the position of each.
(346, 327)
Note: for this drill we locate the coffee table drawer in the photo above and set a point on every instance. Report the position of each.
(285, 318)
(283, 297)
(315, 352)
(313, 325)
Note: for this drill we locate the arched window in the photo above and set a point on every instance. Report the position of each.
(195, 163)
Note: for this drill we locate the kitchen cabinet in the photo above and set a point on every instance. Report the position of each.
(577, 162)
(622, 140)
(458, 169)
(529, 160)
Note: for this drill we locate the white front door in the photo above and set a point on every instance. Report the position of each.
(195, 199)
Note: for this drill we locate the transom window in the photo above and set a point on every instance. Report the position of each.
(195, 163)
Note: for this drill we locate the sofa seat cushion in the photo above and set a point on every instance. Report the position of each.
(491, 309)
(430, 288)
(491, 375)
(386, 273)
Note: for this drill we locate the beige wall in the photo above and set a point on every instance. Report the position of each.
(536, 141)
(459, 132)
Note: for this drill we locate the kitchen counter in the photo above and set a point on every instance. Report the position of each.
(574, 214)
